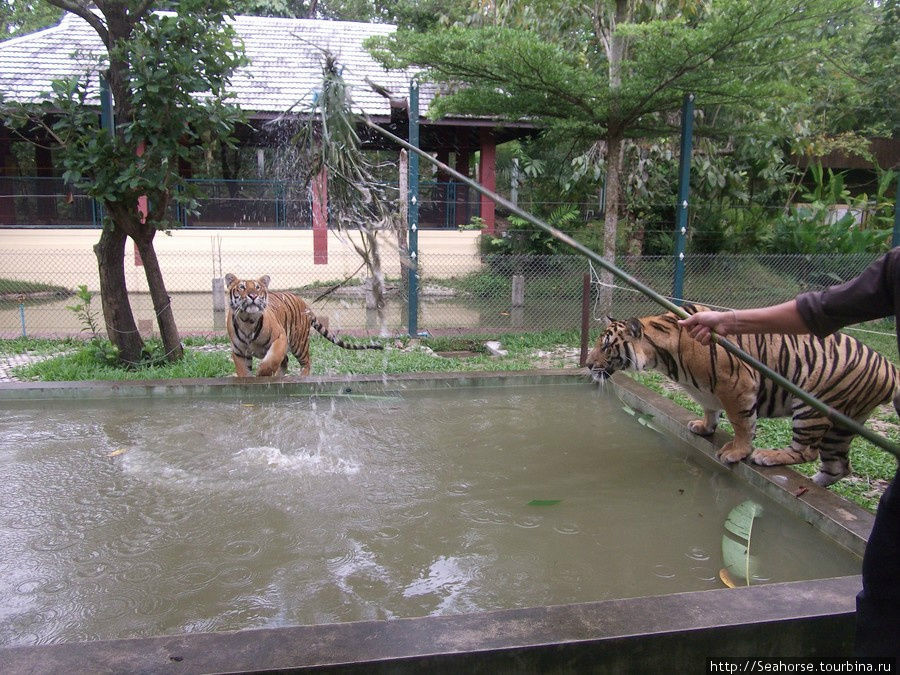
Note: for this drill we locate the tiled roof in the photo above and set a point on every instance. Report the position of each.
(285, 62)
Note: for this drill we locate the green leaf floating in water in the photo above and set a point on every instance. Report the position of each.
(544, 502)
(736, 549)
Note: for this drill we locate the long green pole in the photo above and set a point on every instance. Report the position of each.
(684, 186)
(831, 413)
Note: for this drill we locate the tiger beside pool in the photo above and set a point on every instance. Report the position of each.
(265, 324)
(839, 370)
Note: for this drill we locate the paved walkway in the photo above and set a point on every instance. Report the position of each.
(7, 363)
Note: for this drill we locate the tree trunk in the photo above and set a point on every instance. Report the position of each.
(615, 46)
(162, 303)
(614, 147)
(377, 276)
(117, 313)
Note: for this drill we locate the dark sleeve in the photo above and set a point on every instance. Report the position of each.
(871, 295)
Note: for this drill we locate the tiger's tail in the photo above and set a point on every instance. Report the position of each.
(336, 340)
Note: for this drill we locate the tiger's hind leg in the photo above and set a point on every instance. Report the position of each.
(834, 456)
(300, 350)
(809, 429)
(301, 353)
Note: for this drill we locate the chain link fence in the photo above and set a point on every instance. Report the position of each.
(458, 293)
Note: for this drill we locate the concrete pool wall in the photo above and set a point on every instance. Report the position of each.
(805, 618)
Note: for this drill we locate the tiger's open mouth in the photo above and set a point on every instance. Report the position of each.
(600, 374)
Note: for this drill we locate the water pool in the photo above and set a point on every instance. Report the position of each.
(133, 516)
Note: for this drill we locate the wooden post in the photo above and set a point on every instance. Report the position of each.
(218, 294)
(518, 290)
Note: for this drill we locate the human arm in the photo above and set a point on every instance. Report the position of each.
(783, 318)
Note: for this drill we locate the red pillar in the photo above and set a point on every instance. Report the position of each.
(487, 171)
(320, 218)
(143, 208)
(462, 166)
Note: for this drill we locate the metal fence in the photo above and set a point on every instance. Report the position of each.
(459, 294)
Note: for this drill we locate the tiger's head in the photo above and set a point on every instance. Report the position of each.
(639, 344)
(619, 347)
(247, 296)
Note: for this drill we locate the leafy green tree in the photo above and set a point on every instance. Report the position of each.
(599, 73)
(879, 60)
(25, 16)
(416, 14)
(168, 75)
(359, 202)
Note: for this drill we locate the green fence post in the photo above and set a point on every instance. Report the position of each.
(413, 237)
(681, 209)
(106, 111)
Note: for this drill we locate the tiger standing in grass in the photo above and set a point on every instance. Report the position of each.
(265, 324)
(838, 369)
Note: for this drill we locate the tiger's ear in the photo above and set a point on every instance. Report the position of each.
(264, 281)
(230, 279)
(635, 328)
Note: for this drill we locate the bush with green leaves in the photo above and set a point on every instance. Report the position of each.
(816, 225)
(98, 348)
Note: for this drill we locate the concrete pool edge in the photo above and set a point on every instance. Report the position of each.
(808, 618)
(651, 634)
(275, 386)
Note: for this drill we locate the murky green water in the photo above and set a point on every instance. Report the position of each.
(144, 517)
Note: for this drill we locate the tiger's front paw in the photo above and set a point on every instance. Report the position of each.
(732, 452)
(699, 427)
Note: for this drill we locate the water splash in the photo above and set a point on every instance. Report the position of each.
(300, 462)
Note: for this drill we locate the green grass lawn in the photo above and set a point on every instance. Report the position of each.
(201, 359)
